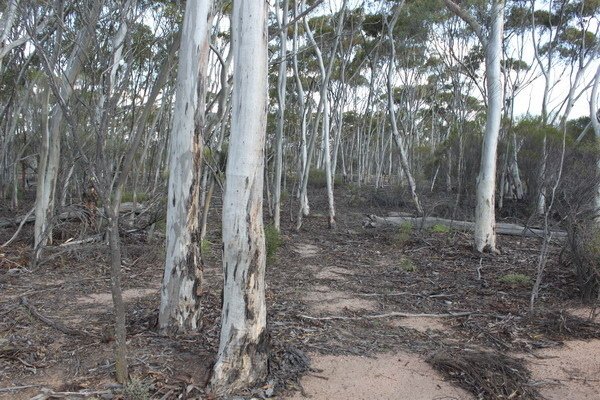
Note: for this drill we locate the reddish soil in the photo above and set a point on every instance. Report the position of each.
(353, 276)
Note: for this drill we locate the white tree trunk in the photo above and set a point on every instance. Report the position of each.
(485, 218)
(324, 99)
(302, 194)
(182, 281)
(242, 358)
(50, 155)
(281, 94)
(596, 126)
(392, 112)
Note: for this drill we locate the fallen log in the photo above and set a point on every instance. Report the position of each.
(54, 324)
(389, 315)
(66, 216)
(502, 228)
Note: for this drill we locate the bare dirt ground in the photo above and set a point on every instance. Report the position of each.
(333, 296)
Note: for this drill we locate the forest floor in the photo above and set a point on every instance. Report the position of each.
(337, 297)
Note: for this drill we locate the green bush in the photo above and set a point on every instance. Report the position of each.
(440, 228)
(127, 197)
(515, 279)
(136, 390)
(285, 195)
(404, 232)
(161, 225)
(205, 246)
(318, 179)
(273, 242)
(407, 265)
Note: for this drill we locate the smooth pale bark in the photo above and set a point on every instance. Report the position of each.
(324, 99)
(485, 217)
(375, 221)
(392, 113)
(546, 71)
(514, 169)
(50, 155)
(281, 94)
(182, 280)
(7, 22)
(596, 126)
(302, 193)
(224, 107)
(242, 358)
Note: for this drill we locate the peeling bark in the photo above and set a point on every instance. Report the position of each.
(182, 280)
(243, 348)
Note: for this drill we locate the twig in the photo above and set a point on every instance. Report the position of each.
(50, 394)
(23, 221)
(56, 325)
(479, 269)
(387, 294)
(91, 239)
(15, 388)
(387, 315)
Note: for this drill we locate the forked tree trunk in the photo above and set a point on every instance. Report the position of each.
(323, 98)
(485, 218)
(242, 359)
(182, 281)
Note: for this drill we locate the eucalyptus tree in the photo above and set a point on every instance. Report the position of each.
(594, 114)
(242, 357)
(485, 219)
(51, 138)
(303, 111)
(182, 281)
(282, 23)
(392, 112)
(324, 101)
(323, 110)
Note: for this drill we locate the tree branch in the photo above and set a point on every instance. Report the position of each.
(468, 18)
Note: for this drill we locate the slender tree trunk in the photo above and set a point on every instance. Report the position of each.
(485, 218)
(112, 210)
(182, 281)
(281, 94)
(325, 78)
(302, 194)
(596, 125)
(390, 95)
(50, 155)
(242, 358)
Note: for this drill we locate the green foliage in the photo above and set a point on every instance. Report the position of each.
(205, 246)
(514, 64)
(127, 197)
(592, 244)
(404, 232)
(136, 390)
(407, 265)
(373, 25)
(318, 179)
(515, 279)
(273, 242)
(161, 225)
(440, 228)
(533, 128)
(285, 195)
(518, 18)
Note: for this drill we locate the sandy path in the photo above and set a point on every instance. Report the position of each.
(388, 377)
